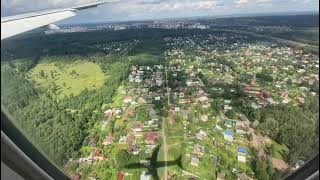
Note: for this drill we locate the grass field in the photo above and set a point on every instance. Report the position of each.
(69, 78)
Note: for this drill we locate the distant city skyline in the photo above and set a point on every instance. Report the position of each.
(130, 10)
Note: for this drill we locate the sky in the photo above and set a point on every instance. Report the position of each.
(127, 10)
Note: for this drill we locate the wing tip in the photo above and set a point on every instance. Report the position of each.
(90, 5)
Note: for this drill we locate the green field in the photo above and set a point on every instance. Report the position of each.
(71, 78)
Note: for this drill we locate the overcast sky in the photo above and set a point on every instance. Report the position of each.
(122, 10)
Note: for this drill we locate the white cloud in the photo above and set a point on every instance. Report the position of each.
(305, 1)
(157, 6)
(241, 3)
(141, 9)
(263, 1)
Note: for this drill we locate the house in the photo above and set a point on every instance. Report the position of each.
(157, 98)
(270, 101)
(154, 117)
(138, 79)
(137, 127)
(120, 175)
(279, 164)
(227, 107)
(132, 147)
(142, 100)
(96, 152)
(228, 123)
(253, 82)
(201, 135)
(152, 112)
(301, 100)
(254, 105)
(145, 176)
(87, 160)
(194, 161)
(189, 82)
(240, 124)
(118, 112)
(198, 149)
(177, 109)
(197, 84)
(96, 155)
(202, 97)
(285, 101)
(241, 159)
(158, 81)
(221, 176)
(123, 139)
(240, 131)
(217, 127)
(186, 100)
(108, 140)
(151, 138)
(108, 113)
(228, 135)
(174, 74)
(284, 94)
(127, 99)
(204, 118)
(181, 94)
(76, 177)
(242, 150)
(153, 122)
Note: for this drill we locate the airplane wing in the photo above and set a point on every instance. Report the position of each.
(13, 25)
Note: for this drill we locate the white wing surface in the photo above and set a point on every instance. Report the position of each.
(13, 25)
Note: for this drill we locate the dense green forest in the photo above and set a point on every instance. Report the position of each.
(84, 43)
(45, 120)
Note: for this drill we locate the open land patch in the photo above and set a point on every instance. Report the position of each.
(69, 78)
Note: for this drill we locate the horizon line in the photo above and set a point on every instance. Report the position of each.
(276, 13)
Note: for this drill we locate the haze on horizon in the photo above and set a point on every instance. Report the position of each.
(129, 10)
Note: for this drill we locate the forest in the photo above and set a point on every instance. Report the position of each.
(44, 119)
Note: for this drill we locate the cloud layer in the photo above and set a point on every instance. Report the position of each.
(147, 9)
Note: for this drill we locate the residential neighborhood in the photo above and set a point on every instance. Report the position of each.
(202, 107)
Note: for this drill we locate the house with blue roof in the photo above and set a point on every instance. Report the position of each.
(242, 150)
(228, 135)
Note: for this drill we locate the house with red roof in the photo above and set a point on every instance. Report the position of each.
(120, 175)
(137, 127)
(127, 99)
(185, 100)
(109, 140)
(151, 138)
(76, 177)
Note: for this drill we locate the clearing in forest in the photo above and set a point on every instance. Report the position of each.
(65, 79)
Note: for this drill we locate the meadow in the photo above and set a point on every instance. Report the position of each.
(67, 79)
